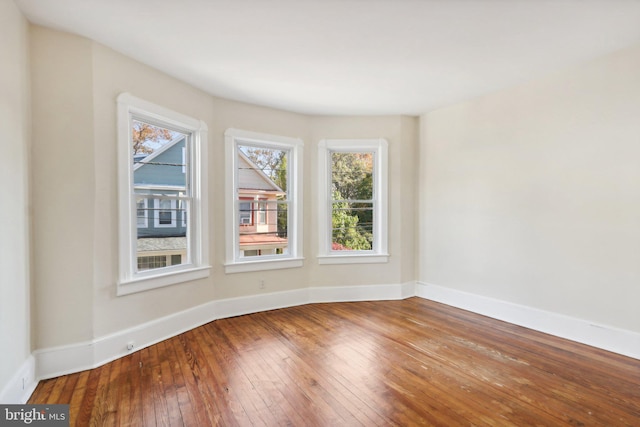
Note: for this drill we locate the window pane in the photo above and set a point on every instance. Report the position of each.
(352, 226)
(262, 168)
(270, 239)
(149, 262)
(165, 212)
(160, 175)
(352, 175)
(352, 209)
(262, 201)
(159, 156)
(246, 214)
(262, 213)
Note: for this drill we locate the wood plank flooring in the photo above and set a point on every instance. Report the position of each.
(410, 362)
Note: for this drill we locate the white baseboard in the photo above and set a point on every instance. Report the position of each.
(605, 337)
(21, 385)
(53, 362)
(362, 293)
(63, 360)
(231, 307)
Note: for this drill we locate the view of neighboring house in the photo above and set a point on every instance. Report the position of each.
(159, 181)
(258, 209)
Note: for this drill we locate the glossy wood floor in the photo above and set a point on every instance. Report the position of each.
(411, 362)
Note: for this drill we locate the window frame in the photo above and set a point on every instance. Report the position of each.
(235, 263)
(379, 252)
(130, 280)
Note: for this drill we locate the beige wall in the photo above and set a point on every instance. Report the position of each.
(401, 134)
(76, 83)
(15, 335)
(532, 195)
(63, 187)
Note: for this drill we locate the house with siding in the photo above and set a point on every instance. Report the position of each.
(161, 221)
(258, 210)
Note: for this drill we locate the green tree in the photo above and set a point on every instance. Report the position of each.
(352, 175)
(280, 178)
(347, 234)
(352, 214)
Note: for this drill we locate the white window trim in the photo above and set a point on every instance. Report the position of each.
(196, 267)
(234, 262)
(156, 217)
(379, 252)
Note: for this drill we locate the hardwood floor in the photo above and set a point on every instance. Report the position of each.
(410, 362)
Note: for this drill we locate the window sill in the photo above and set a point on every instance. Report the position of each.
(140, 284)
(354, 259)
(277, 264)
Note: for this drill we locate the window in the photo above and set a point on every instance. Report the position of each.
(262, 213)
(142, 213)
(166, 213)
(152, 261)
(264, 201)
(158, 261)
(245, 213)
(162, 179)
(353, 201)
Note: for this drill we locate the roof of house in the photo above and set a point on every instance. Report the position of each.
(140, 159)
(251, 177)
(262, 240)
(151, 244)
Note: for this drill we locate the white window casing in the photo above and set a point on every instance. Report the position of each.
(379, 251)
(196, 265)
(293, 257)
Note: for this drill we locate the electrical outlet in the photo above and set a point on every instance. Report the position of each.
(130, 346)
(262, 286)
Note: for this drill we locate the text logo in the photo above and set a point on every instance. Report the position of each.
(34, 415)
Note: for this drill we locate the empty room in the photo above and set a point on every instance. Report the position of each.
(320, 213)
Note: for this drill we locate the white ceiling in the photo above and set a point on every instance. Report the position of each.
(350, 56)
